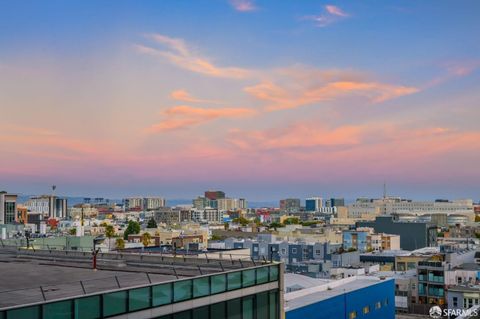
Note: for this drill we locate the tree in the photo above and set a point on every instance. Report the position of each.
(276, 225)
(477, 219)
(72, 231)
(291, 221)
(146, 237)
(132, 228)
(241, 220)
(120, 243)
(109, 233)
(152, 223)
(216, 237)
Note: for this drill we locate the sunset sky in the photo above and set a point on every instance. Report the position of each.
(263, 99)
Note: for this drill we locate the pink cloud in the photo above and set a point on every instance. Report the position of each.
(330, 14)
(299, 87)
(243, 5)
(181, 55)
(183, 116)
(183, 95)
(335, 11)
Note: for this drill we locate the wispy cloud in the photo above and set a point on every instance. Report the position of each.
(177, 52)
(243, 5)
(184, 116)
(299, 87)
(452, 70)
(330, 14)
(184, 96)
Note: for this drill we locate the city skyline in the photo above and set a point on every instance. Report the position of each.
(262, 99)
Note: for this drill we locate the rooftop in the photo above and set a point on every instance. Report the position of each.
(328, 290)
(37, 276)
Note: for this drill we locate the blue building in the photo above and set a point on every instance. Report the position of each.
(349, 298)
(355, 240)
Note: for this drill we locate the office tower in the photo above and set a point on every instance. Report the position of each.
(290, 204)
(313, 204)
(8, 208)
(335, 202)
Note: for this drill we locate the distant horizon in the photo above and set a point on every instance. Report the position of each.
(186, 198)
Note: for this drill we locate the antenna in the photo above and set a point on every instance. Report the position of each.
(54, 187)
(384, 190)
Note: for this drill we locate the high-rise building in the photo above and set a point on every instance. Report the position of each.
(48, 206)
(144, 203)
(335, 202)
(313, 204)
(8, 208)
(151, 203)
(290, 204)
(214, 195)
(231, 203)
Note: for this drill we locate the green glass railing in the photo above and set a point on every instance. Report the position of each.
(121, 301)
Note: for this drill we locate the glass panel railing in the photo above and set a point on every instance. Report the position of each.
(234, 280)
(115, 303)
(58, 310)
(273, 273)
(219, 283)
(182, 290)
(24, 313)
(161, 294)
(248, 278)
(87, 307)
(139, 299)
(262, 275)
(201, 287)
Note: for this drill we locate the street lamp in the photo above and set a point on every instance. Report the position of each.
(97, 240)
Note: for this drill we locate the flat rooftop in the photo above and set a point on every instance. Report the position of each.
(37, 276)
(21, 281)
(304, 297)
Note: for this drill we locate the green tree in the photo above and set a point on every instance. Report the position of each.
(241, 220)
(72, 231)
(132, 228)
(291, 221)
(275, 225)
(146, 237)
(152, 223)
(120, 243)
(477, 219)
(216, 237)
(109, 233)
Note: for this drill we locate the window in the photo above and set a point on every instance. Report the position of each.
(294, 250)
(366, 310)
(352, 315)
(378, 305)
(247, 307)
(385, 302)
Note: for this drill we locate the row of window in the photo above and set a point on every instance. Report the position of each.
(366, 309)
(263, 305)
(124, 301)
